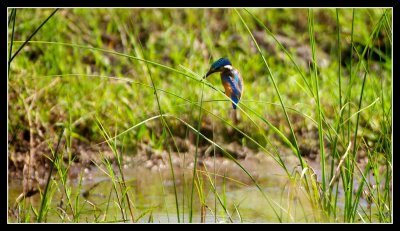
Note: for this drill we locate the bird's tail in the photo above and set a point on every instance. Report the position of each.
(234, 116)
(235, 102)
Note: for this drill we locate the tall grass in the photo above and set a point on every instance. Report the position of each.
(165, 125)
(45, 199)
(319, 109)
(30, 36)
(124, 198)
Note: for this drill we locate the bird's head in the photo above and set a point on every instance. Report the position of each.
(219, 65)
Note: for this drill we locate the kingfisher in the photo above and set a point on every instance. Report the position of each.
(230, 78)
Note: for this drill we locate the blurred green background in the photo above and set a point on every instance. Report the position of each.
(192, 38)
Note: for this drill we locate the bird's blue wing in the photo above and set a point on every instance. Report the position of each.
(235, 86)
(238, 80)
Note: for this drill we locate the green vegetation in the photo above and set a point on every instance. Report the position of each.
(317, 89)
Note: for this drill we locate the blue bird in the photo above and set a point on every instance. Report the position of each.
(230, 78)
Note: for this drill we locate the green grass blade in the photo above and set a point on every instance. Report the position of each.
(275, 87)
(44, 198)
(284, 50)
(33, 34)
(165, 126)
(319, 109)
(196, 156)
(13, 15)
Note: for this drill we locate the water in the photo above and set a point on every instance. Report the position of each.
(237, 198)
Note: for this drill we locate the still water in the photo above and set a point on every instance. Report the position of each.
(235, 199)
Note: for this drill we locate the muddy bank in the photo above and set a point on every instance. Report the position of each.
(29, 160)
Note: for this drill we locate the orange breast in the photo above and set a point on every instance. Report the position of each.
(228, 88)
